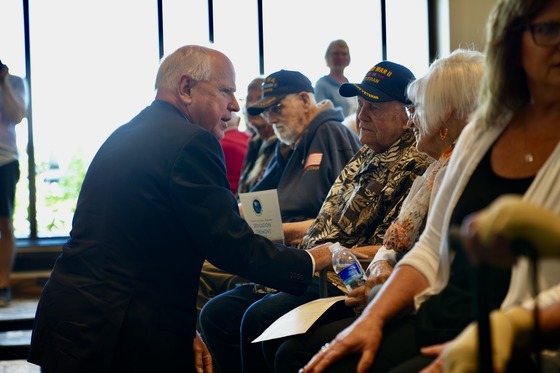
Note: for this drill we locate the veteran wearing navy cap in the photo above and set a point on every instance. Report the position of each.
(361, 204)
(319, 144)
(386, 81)
(382, 94)
(277, 86)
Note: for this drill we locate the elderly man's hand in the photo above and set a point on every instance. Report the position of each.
(358, 298)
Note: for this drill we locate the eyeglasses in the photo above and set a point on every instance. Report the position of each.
(546, 34)
(410, 111)
(272, 110)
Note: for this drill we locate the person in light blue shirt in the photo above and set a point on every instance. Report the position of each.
(337, 58)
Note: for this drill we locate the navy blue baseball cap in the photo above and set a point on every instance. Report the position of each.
(386, 81)
(277, 85)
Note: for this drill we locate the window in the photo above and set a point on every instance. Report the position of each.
(407, 34)
(12, 53)
(297, 40)
(92, 67)
(91, 72)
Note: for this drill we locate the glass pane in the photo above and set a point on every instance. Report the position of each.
(12, 53)
(92, 71)
(297, 40)
(95, 69)
(185, 22)
(236, 36)
(407, 34)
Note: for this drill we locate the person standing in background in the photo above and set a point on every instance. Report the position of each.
(13, 105)
(234, 144)
(337, 57)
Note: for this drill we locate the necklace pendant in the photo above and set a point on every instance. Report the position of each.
(529, 158)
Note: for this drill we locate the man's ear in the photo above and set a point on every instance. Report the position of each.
(305, 98)
(185, 86)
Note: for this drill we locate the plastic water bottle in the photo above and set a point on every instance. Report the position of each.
(347, 266)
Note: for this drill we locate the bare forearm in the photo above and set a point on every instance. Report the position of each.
(294, 232)
(396, 298)
(370, 250)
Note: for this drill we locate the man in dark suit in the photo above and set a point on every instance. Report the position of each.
(155, 203)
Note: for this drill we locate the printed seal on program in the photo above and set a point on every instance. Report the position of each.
(257, 206)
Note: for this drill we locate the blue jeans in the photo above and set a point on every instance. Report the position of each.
(231, 320)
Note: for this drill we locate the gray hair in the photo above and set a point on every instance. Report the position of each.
(451, 85)
(193, 60)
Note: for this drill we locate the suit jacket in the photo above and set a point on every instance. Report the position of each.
(155, 203)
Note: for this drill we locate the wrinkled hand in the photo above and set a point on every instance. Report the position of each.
(379, 272)
(363, 336)
(358, 298)
(202, 357)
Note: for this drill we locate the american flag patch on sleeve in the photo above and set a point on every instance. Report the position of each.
(313, 160)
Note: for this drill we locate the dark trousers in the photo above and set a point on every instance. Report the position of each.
(9, 176)
(232, 320)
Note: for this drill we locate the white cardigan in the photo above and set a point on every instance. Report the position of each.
(431, 255)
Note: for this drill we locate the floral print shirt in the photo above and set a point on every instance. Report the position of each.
(405, 230)
(367, 196)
